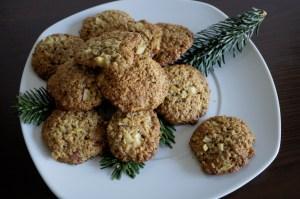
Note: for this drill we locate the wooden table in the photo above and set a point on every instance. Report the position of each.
(21, 22)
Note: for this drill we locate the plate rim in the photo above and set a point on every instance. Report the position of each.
(250, 43)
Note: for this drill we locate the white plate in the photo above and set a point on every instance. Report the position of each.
(242, 88)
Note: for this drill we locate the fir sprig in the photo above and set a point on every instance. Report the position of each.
(167, 136)
(34, 106)
(231, 35)
(130, 168)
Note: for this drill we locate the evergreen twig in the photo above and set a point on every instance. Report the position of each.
(131, 169)
(167, 133)
(231, 35)
(34, 106)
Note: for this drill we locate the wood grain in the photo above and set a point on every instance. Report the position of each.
(279, 42)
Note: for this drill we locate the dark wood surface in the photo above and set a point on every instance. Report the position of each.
(21, 22)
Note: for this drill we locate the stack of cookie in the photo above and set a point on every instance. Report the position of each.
(130, 64)
(127, 63)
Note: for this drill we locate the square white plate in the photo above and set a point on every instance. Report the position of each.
(242, 88)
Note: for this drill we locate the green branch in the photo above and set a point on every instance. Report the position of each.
(130, 168)
(167, 136)
(228, 36)
(34, 106)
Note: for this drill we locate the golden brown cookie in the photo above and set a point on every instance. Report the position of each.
(134, 136)
(53, 51)
(105, 21)
(112, 50)
(141, 87)
(188, 95)
(150, 33)
(223, 144)
(74, 136)
(73, 88)
(176, 40)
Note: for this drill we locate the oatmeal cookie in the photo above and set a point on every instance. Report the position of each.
(150, 33)
(105, 21)
(74, 136)
(223, 144)
(74, 88)
(53, 51)
(112, 50)
(188, 95)
(176, 40)
(133, 136)
(141, 87)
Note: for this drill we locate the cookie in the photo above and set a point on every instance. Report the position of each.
(74, 88)
(141, 87)
(74, 136)
(188, 95)
(176, 40)
(223, 144)
(150, 33)
(114, 50)
(105, 21)
(133, 136)
(53, 51)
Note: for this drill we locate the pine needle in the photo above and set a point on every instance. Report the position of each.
(34, 106)
(167, 133)
(228, 36)
(131, 169)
